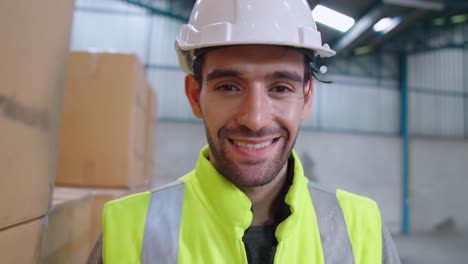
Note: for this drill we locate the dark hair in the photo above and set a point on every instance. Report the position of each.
(198, 63)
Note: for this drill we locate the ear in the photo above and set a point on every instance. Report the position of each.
(308, 98)
(192, 91)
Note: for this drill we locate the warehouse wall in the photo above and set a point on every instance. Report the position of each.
(356, 104)
(438, 119)
(363, 96)
(110, 26)
(437, 90)
(438, 184)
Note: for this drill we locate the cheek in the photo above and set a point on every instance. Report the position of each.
(215, 113)
(218, 109)
(290, 115)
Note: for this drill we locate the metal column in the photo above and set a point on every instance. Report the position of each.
(405, 143)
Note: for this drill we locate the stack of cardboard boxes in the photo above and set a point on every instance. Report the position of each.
(105, 149)
(98, 141)
(35, 39)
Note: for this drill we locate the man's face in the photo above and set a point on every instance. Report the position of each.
(252, 102)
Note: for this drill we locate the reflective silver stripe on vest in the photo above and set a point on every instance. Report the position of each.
(336, 244)
(161, 235)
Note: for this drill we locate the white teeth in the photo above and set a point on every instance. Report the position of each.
(252, 146)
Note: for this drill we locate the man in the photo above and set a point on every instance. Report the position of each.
(247, 200)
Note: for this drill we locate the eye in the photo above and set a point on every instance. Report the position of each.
(228, 88)
(281, 89)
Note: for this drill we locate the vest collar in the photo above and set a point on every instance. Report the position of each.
(232, 208)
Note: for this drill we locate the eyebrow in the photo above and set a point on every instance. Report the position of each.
(290, 75)
(218, 74)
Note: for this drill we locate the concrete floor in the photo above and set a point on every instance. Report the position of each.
(433, 248)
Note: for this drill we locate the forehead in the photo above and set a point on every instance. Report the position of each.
(255, 59)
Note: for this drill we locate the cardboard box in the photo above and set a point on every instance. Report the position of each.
(69, 238)
(102, 132)
(151, 121)
(75, 222)
(34, 51)
(99, 198)
(23, 243)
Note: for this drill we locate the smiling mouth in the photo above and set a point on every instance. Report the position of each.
(251, 146)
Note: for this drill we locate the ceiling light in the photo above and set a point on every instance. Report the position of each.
(331, 18)
(459, 19)
(386, 24)
(363, 50)
(438, 21)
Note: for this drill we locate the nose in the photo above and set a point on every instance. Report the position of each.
(255, 109)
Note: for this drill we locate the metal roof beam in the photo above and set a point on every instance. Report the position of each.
(361, 26)
(421, 4)
(155, 10)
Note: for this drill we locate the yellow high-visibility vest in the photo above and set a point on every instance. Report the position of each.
(202, 219)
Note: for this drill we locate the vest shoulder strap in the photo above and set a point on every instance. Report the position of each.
(162, 227)
(123, 224)
(336, 244)
(362, 216)
(142, 227)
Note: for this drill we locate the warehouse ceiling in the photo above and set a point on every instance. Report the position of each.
(361, 38)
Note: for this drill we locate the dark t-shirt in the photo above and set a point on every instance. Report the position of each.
(260, 244)
(260, 241)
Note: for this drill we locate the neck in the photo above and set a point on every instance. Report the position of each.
(265, 199)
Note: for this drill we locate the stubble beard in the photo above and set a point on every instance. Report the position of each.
(265, 170)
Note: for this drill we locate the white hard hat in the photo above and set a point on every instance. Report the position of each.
(236, 22)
